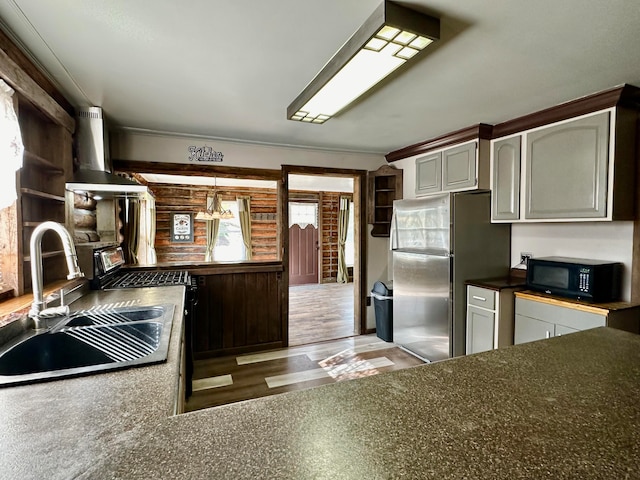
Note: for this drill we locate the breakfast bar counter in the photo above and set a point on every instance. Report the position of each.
(561, 408)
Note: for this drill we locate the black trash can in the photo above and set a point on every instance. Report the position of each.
(383, 305)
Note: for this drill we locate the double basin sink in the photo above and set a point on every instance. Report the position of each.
(89, 341)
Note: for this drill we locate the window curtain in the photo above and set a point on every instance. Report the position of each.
(343, 228)
(132, 230)
(213, 226)
(244, 214)
(11, 148)
(152, 233)
(146, 249)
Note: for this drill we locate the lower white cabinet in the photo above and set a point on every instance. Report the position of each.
(537, 320)
(530, 329)
(480, 329)
(489, 318)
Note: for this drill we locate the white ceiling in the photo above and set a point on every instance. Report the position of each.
(230, 68)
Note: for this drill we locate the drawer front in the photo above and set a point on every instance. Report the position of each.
(569, 317)
(481, 297)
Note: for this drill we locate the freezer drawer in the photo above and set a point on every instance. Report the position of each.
(421, 304)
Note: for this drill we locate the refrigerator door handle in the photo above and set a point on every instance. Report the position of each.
(393, 236)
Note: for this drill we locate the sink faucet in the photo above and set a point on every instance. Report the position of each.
(39, 309)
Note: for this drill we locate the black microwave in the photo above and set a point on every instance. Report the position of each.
(592, 280)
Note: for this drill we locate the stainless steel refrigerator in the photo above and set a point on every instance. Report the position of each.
(438, 243)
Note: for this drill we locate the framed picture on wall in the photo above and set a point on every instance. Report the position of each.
(182, 227)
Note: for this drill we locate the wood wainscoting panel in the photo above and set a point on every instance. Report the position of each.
(237, 313)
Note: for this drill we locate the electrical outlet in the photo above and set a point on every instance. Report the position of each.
(525, 256)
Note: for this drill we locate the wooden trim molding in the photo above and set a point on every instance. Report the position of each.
(359, 193)
(190, 169)
(22, 61)
(22, 83)
(622, 95)
(334, 172)
(480, 131)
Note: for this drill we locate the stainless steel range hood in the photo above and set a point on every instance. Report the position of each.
(94, 169)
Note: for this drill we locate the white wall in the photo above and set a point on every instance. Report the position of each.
(595, 240)
(145, 146)
(152, 147)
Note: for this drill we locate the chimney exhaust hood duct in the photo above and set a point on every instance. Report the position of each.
(94, 168)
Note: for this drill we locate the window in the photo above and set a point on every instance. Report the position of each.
(229, 245)
(303, 214)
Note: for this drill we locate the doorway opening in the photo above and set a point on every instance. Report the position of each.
(324, 256)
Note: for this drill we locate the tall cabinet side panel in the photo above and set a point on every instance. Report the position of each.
(481, 249)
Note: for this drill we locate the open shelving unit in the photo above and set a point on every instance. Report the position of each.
(47, 135)
(385, 186)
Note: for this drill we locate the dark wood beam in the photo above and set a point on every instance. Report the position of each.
(195, 170)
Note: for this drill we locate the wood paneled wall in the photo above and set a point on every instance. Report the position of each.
(238, 312)
(191, 199)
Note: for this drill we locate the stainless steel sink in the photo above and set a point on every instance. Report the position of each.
(88, 342)
(114, 316)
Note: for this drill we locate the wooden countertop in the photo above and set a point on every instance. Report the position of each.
(598, 308)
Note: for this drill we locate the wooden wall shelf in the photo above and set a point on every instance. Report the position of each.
(31, 158)
(43, 195)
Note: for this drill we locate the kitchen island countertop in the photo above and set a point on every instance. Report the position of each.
(566, 407)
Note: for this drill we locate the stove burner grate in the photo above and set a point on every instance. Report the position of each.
(151, 279)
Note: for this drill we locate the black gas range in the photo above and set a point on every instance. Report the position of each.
(103, 266)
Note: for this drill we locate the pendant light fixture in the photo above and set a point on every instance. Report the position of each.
(214, 209)
(391, 37)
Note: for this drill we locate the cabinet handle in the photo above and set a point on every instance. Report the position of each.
(482, 299)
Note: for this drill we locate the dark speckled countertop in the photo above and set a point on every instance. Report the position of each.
(499, 283)
(562, 408)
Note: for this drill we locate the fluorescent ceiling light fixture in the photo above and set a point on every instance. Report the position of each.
(392, 36)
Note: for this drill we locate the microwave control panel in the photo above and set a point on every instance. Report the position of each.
(583, 279)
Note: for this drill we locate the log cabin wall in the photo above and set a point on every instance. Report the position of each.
(191, 199)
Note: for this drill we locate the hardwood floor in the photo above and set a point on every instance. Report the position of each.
(323, 349)
(320, 312)
(219, 381)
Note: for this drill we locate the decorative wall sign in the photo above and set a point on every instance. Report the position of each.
(182, 227)
(204, 154)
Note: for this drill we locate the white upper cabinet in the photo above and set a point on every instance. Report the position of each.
(580, 169)
(457, 168)
(505, 201)
(567, 167)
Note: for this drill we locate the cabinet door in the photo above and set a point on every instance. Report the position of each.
(480, 329)
(459, 167)
(567, 167)
(562, 330)
(529, 329)
(505, 197)
(429, 174)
